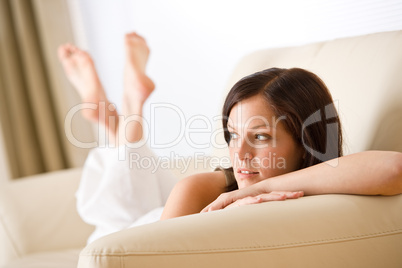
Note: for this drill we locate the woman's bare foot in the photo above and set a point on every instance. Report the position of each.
(137, 86)
(80, 71)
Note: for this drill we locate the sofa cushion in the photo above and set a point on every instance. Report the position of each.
(363, 75)
(55, 259)
(316, 231)
(38, 214)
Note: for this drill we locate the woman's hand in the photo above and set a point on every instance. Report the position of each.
(366, 173)
(234, 199)
(273, 196)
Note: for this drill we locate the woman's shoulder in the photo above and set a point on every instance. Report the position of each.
(215, 180)
(193, 193)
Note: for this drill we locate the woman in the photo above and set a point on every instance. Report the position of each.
(265, 115)
(280, 148)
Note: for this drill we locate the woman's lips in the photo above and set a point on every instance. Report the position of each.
(247, 173)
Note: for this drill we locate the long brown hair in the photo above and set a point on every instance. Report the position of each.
(303, 98)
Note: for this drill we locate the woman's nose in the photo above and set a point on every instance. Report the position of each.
(245, 150)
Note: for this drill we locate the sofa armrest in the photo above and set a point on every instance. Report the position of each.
(316, 231)
(38, 213)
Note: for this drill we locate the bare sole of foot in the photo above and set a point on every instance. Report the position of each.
(137, 87)
(80, 71)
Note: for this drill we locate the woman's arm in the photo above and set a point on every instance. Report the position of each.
(192, 194)
(366, 173)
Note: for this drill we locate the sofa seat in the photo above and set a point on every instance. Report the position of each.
(38, 218)
(51, 259)
(315, 231)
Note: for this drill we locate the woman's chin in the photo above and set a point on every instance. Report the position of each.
(245, 183)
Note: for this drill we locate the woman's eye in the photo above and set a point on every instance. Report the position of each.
(233, 136)
(262, 137)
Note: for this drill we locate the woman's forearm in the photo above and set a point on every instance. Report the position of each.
(366, 173)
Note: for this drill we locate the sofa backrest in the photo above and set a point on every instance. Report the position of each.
(364, 75)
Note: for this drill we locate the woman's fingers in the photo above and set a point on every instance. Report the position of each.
(226, 199)
(229, 200)
(245, 201)
(273, 196)
(221, 202)
(278, 196)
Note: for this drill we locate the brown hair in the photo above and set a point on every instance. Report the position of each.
(303, 98)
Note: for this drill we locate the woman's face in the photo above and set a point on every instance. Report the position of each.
(260, 147)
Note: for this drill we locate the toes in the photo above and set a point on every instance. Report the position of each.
(129, 36)
(83, 58)
(63, 51)
(66, 51)
(133, 36)
(74, 49)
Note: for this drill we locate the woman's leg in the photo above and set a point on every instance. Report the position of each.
(80, 71)
(137, 88)
(114, 193)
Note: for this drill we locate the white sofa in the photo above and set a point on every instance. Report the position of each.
(40, 228)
